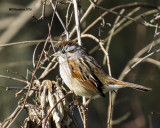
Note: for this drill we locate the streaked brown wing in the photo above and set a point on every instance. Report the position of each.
(83, 73)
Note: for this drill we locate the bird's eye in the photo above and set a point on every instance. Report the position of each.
(71, 51)
(63, 51)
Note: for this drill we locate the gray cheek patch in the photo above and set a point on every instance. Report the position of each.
(70, 48)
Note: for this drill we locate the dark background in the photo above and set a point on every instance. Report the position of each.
(124, 46)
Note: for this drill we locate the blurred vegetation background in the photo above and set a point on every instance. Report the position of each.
(142, 109)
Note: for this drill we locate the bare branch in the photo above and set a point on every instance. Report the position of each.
(138, 55)
(12, 78)
(110, 108)
(122, 27)
(66, 32)
(77, 17)
(123, 118)
(83, 17)
(111, 35)
(133, 66)
(128, 6)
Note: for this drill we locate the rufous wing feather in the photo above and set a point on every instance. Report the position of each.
(87, 79)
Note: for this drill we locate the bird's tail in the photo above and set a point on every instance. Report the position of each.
(135, 86)
(122, 84)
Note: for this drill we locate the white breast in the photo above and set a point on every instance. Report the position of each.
(71, 82)
(65, 71)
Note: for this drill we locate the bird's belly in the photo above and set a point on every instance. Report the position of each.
(74, 84)
(112, 87)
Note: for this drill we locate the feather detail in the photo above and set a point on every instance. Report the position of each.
(121, 84)
(87, 79)
(82, 74)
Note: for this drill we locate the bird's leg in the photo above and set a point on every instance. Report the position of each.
(78, 102)
(75, 98)
(87, 102)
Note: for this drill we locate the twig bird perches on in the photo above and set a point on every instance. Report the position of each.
(82, 74)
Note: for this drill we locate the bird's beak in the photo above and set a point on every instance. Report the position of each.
(56, 54)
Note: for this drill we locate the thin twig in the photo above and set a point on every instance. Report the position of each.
(122, 27)
(67, 16)
(136, 18)
(18, 111)
(85, 117)
(141, 52)
(37, 66)
(152, 61)
(128, 6)
(83, 17)
(77, 17)
(66, 32)
(129, 18)
(47, 69)
(11, 117)
(19, 88)
(138, 55)
(129, 14)
(97, 40)
(29, 83)
(111, 35)
(32, 42)
(50, 26)
(156, 33)
(123, 118)
(110, 108)
(133, 66)
(77, 21)
(33, 56)
(12, 78)
(16, 73)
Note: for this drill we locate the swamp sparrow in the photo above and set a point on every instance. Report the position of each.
(82, 74)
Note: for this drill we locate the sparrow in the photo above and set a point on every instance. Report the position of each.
(83, 75)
